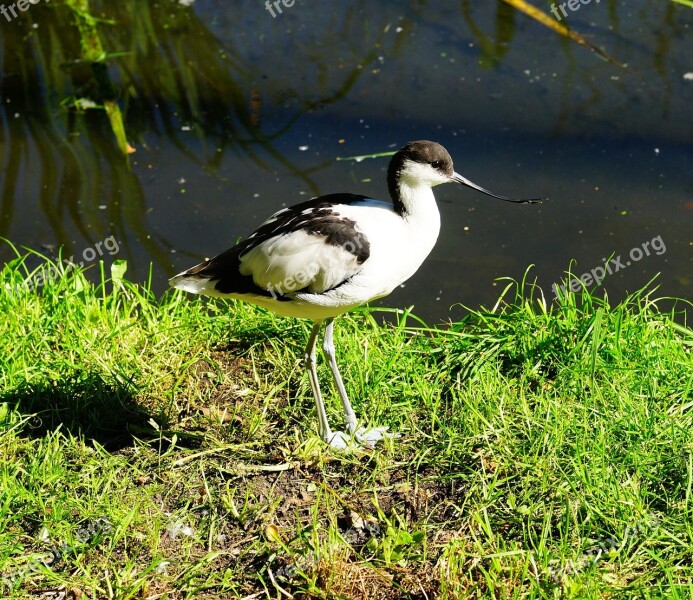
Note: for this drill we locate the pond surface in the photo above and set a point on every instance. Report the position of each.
(233, 113)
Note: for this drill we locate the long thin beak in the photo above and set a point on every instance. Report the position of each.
(457, 178)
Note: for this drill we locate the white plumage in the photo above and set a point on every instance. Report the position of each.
(321, 258)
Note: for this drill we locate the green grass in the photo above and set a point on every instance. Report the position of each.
(167, 448)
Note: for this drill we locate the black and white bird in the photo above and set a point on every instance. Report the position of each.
(321, 258)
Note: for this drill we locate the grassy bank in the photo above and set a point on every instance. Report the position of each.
(167, 448)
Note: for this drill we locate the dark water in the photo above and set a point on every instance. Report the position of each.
(234, 113)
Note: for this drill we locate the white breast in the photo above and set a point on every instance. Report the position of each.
(398, 245)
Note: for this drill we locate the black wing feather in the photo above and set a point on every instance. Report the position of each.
(315, 217)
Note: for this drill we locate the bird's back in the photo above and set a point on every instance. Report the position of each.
(310, 249)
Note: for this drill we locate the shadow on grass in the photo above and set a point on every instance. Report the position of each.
(84, 405)
(243, 340)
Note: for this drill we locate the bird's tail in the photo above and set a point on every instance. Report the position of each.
(194, 281)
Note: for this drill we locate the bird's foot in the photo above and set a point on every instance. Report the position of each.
(361, 438)
(369, 437)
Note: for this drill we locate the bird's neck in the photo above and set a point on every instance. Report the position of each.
(413, 201)
(417, 207)
(420, 225)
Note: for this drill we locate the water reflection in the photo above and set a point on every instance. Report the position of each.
(222, 104)
(176, 82)
(493, 46)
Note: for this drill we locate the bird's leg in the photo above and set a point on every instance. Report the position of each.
(328, 350)
(364, 437)
(311, 363)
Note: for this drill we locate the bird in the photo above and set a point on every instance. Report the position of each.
(323, 257)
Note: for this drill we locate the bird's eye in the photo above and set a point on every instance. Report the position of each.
(437, 164)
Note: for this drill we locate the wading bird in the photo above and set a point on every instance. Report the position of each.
(321, 258)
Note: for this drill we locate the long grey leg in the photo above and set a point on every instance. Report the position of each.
(337, 439)
(310, 362)
(328, 349)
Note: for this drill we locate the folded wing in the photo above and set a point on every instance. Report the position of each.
(306, 248)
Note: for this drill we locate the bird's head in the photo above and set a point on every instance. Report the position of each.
(427, 164)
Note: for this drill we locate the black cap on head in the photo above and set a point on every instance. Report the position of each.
(421, 151)
(433, 154)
